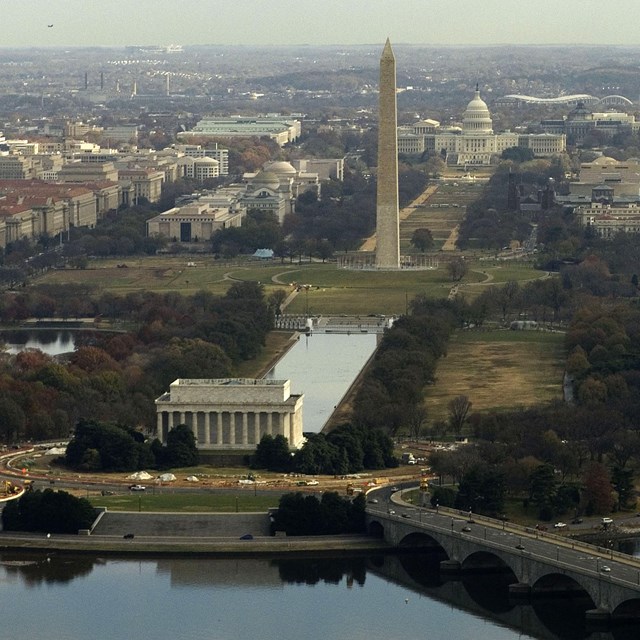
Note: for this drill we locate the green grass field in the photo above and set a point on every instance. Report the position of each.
(334, 291)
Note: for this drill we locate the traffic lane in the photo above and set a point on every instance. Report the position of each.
(543, 549)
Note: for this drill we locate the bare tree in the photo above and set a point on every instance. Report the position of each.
(459, 409)
(416, 418)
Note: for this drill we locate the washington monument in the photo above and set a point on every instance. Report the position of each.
(387, 211)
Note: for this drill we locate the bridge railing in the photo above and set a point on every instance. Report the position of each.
(557, 541)
(538, 534)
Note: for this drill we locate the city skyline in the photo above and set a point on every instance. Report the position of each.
(334, 22)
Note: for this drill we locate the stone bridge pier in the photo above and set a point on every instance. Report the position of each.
(543, 565)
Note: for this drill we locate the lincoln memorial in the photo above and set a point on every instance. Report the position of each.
(231, 413)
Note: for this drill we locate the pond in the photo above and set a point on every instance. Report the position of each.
(50, 341)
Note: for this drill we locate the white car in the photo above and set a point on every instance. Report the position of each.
(607, 521)
(137, 487)
(560, 525)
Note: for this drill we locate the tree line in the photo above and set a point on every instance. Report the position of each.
(115, 377)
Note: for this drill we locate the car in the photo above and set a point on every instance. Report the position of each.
(607, 521)
(391, 512)
(520, 547)
(373, 501)
(246, 536)
(560, 525)
(605, 568)
(406, 515)
(466, 529)
(137, 487)
(576, 521)
(128, 536)
(395, 489)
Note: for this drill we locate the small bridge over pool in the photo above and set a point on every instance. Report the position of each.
(542, 564)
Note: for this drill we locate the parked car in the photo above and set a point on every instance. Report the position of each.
(606, 521)
(560, 525)
(137, 487)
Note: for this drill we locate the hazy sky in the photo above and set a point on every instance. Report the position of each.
(247, 22)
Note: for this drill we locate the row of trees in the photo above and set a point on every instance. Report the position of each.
(98, 446)
(48, 511)
(345, 449)
(306, 515)
(391, 394)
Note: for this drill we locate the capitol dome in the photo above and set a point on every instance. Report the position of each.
(476, 118)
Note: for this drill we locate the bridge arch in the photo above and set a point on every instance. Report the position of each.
(376, 530)
(627, 611)
(553, 583)
(487, 562)
(421, 539)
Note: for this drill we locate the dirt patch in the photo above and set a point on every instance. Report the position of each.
(496, 374)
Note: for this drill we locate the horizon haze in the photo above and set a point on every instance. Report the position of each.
(67, 23)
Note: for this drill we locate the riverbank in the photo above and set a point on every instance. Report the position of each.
(211, 547)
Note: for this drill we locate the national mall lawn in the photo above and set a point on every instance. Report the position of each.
(496, 369)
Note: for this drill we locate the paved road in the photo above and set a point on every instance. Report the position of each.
(559, 551)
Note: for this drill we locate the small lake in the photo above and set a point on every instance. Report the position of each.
(52, 342)
(323, 366)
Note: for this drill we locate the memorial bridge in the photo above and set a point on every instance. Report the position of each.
(542, 564)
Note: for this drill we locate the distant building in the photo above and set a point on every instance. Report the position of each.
(581, 122)
(193, 223)
(32, 208)
(276, 187)
(198, 169)
(474, 143)
(281, 129)
(231, 413)
(609, 219)
(219, 154)
(324, 168)
(140, 183)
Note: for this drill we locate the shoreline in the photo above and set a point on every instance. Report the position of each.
(212, 547)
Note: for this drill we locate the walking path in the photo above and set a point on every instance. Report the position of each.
(370, 243)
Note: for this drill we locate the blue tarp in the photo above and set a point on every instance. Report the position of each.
(263, 253)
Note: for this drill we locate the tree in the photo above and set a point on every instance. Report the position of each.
(543, 490)
(48, 511)
(12, 420)
(598, 491)
(517, 154)
(181, 449)
(459, 408)
(457, 269)
(422, 239)
(272, 453)
(622, 481)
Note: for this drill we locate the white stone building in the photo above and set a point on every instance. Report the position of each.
(195, 222)
(231, 413)
(474, 143)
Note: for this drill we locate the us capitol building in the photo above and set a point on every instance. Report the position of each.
(475, 142)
